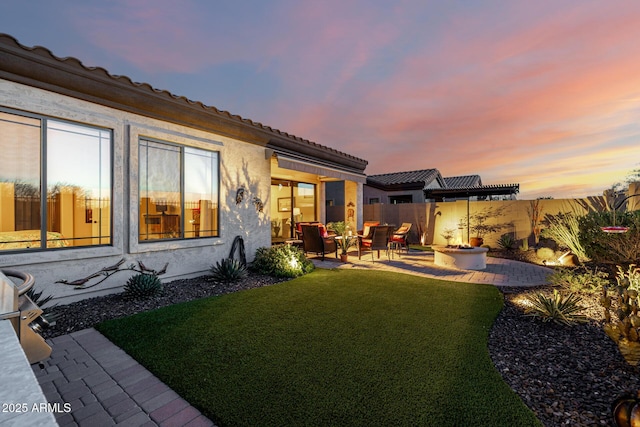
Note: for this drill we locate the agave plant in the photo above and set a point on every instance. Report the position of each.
(228, 270)
(49, 313)
(556, 308)
(141, 286)
(507, 241)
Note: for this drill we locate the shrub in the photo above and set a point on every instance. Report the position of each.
(579, 279)
(507, 241)
(228, 271)
(556, 308)
(547, 254)
(621, 248)
(49, 313)
(141, 286)
(565, 230)
(524, 246)
(282, 261)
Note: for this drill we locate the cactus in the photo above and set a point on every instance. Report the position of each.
(228, 270)
(623, 327)
(142, 286)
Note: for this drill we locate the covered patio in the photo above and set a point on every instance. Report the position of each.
(299, 178)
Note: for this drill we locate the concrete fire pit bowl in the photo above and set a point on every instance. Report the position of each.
(463, 258)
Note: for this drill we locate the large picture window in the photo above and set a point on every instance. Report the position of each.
(178, 191)
(72, 163)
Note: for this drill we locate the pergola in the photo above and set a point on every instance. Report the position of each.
(441, 194)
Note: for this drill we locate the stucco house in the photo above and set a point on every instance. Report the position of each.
(96, 168)
(429, 185)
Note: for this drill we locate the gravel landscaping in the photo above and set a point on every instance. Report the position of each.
(566, 375)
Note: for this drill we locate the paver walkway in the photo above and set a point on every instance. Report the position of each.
(104, 386)
(499, 272)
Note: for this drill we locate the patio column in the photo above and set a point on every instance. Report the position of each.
(353, 204)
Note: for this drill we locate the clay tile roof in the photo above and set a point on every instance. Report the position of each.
(464, 181)
(423, 177)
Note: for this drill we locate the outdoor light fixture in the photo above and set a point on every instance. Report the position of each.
(613, 228)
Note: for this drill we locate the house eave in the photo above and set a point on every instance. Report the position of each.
(38, 67)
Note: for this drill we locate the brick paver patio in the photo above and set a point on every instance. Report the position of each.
(106, 387)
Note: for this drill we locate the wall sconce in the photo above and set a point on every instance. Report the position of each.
(258, 204)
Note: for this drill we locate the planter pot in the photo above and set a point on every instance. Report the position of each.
(344, 257)
(476, 241)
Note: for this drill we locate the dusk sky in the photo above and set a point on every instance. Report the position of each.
(543, 93)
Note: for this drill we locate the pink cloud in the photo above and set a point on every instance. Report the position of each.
(525, 96)
(513, 93)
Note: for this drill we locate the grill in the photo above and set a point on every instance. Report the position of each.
(24, 314)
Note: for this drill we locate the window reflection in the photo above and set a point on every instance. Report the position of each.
(76, 205)
(167, 211)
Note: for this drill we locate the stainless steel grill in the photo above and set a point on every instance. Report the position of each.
(24, 314)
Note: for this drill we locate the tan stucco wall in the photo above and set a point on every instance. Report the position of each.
(431, 219)
(241, 165)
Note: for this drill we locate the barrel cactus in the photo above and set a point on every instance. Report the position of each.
(141, 286)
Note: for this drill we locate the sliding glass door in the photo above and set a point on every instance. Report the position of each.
(291, 202)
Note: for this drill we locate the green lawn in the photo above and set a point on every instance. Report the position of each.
(335, 347)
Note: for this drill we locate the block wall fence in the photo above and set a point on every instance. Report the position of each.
(429, 220)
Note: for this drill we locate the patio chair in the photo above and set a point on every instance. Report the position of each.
(367, 229)
(313, 241)
(400, 236)
(299, 227)
(379, 240)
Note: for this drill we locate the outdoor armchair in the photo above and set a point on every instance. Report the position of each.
(313, 241)
(367, 229)
(379, 241)
(299, 227)
(400, 236)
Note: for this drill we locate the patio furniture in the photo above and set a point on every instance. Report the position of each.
(313, 241)
(299, 227)
(399, 237)
(379, 240)
(367, 229)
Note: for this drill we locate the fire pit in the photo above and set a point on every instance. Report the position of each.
(461, 257)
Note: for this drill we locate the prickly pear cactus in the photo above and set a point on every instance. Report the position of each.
(141, 286)
(623, 327)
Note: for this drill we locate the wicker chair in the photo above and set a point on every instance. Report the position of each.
(399, 237)
(312, 241)
(379, 240)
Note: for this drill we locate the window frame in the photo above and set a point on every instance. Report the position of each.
(198, 140)
(181, 149)
(44, 120)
